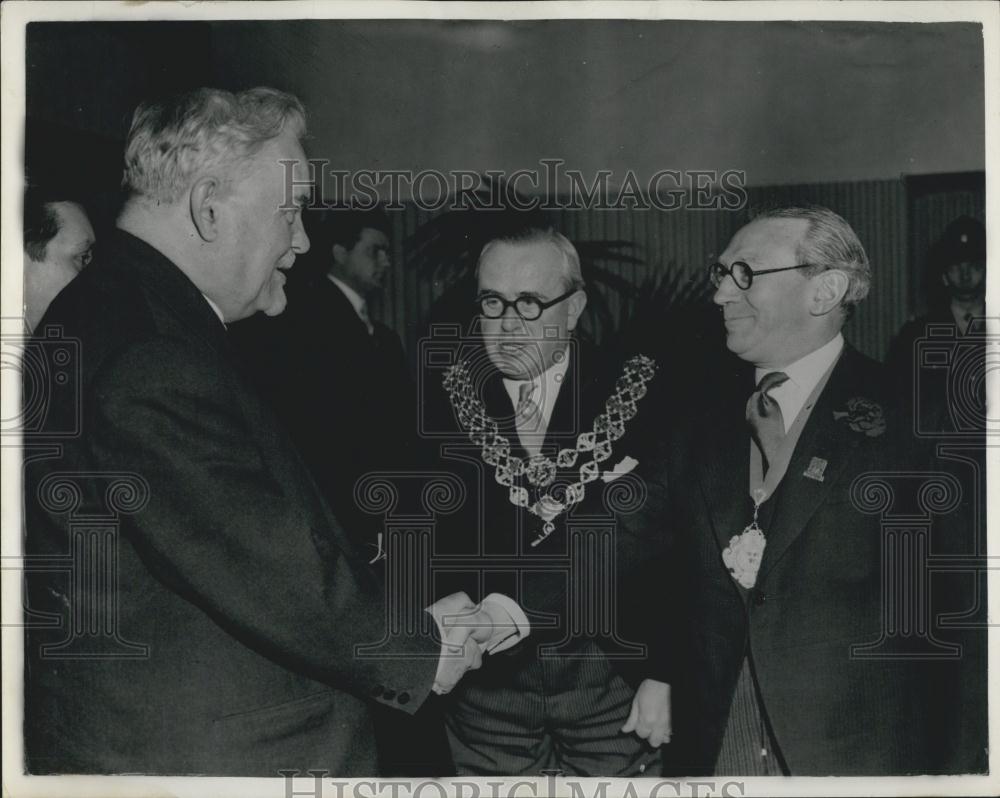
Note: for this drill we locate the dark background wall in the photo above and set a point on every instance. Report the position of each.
(845, 114)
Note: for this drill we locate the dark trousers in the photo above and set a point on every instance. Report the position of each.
(524, 713)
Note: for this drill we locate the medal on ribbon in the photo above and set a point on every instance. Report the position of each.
(745, 551)
(743, 555)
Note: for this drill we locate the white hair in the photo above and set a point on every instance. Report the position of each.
(172, 141)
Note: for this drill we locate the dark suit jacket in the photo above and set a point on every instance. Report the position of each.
(238, 589)
(493, 537)
(345, 397)
(818, 593)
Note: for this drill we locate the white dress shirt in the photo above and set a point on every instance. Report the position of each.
(960, 313)
(546, 391)
(803, 375)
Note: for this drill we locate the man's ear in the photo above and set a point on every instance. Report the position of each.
(339, 253)
(830, 287)
(576, 303)
(204, 199)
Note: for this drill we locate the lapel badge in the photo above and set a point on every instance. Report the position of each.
(816, 468)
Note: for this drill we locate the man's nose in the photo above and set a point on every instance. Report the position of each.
(726, 291)
(510, 321)
(300, 241)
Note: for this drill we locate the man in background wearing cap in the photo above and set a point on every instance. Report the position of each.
(956, 310)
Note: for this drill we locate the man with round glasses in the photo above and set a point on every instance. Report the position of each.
(532, 400)
(780, 564)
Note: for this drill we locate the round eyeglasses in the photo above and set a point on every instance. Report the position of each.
(528, 307)
(742, 274)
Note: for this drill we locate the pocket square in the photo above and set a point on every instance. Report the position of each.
(621, 469)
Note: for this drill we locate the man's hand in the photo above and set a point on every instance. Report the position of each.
(650, 715)
(455, 660)
(457, 612)
(463, 627)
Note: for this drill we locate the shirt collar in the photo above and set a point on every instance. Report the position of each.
(216, 309)
(553, 378)
(803, 376)
(805, 372)
(357, 301)
(959, 313)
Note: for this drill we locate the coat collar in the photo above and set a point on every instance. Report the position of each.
(160, 278)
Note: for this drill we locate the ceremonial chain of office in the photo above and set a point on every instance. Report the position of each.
(540, 471)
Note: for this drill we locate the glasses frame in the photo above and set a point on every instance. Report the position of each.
(512, 303)
(723, 270)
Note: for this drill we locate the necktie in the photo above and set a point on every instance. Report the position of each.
(527, 416)
(363, 315)
(764, 416)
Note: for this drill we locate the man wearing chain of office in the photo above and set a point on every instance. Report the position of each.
(559, 515)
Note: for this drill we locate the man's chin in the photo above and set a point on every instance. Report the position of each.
(277, 304)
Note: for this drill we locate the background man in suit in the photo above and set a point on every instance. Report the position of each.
(780, 570)
(58, 244)
(558, 700)
(339, 383)
(956, 305)
(227, 613)
(331, 372)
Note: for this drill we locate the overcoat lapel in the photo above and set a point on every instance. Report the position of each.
(823, 437)
(723, 462)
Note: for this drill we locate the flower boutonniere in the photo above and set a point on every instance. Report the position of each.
(863, 415)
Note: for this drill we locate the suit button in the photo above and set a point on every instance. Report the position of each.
(404, 698)
(377, 690)
(388, 695)
(760, 598)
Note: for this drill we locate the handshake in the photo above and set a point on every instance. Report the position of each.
(470, 630)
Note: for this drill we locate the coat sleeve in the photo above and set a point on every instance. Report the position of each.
(237, 533)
